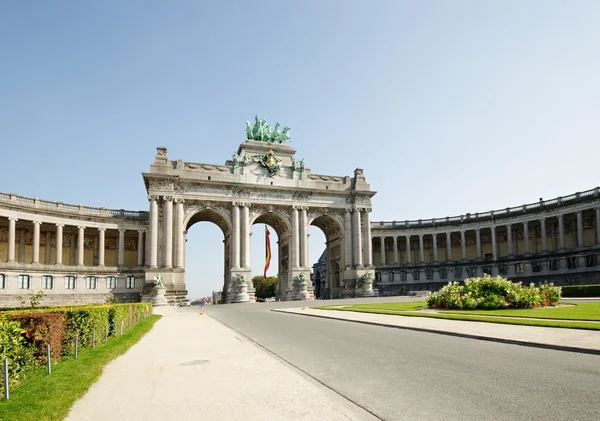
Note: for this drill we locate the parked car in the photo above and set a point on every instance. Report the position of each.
(185, 303)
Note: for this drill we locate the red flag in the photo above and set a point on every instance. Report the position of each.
(267, 251)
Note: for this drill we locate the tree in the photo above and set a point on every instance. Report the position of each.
(265, 288)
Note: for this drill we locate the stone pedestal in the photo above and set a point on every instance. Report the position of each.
(303, 293)
(242, 293)
(158, 298)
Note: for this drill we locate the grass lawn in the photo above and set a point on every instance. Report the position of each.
(49, 397)
(579, 316)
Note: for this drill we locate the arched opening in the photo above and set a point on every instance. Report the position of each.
(206, 254)
(279, 238)
(326, 253)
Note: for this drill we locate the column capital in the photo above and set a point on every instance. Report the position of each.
(81, 227)
(153, 197)
(101, 229)
(477, 229)
(60, 225)
(141, 230)
(37, 222)
(122, 229)
(420, 235)
(12, 218)
(179, 200)
(366, 210)
(167, 198)
(434, 235)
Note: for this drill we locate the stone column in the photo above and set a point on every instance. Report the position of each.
(383, 260)
(140, 247)
(179, 234)
(544, 238)
(80, 245)
(168, 232)
(421, 251)
(59, 243)
(367, 244)
(295, 247)
(348, 237)
(235, 238)
(101, 245)
(153, 241)
(395, 249)
(478, 243)
(435, 254)
(121, 258)
(11, 239)
(509, 239)
(22, 246)
(463, 245)
(303, 238)
(561, 232)
(246, 235)
(36, 242)
(526, 236)
(580, 229)
(448, 248)
(494, 245)
(357, 239)
(408, 256)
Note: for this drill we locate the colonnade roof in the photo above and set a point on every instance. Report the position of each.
(536, 207)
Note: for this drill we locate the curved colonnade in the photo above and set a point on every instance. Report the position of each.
(76, 254)
(556, 240)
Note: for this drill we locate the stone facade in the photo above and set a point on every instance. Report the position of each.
(556, 240)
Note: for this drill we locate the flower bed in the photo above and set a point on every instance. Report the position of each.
(489, 293)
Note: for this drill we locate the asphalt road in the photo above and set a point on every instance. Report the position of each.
(406, 375)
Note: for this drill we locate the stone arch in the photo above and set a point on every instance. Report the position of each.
(275, 218)
(208, 214)
(330, 224)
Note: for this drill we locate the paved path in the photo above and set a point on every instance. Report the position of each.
(233, 380)
(549, 337)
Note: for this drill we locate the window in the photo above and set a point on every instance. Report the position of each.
(130, 282)
(70, 282)
(90, 282)
(2, 281)
(457, 273)
(519, 267)
(471, 271)
(503, 270)
(416, 275)
(429, 274)
(111, 282)
(535, 267)
(553, 264)
(403, 276)
(47, 282)
(23, 281)
(571, 262)
(443, 273)
(590, 260)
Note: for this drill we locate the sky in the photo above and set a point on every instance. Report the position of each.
(449, 107)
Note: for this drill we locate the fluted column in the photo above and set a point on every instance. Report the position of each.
(367, 240)
(358, 261)
(80, 245)
(295, 249)
(235, 237)
(348, 237)
(121, 258)
(478, 243)
(168, 236)
(509, 239)
(395, 249)
(421, 250)
(246, 235)
(36, 242)
(179, 233)
(448, 247)
(59, 243)
(435, 253)
(580, 229)
(494, 245)
(140, 248)
(48, 250)
(526, 236)
(408, 254)
(463, 245)
(11, 239)
(561, 232)
(303, 238)
(101, 245)
(544, 238)
(153, 241)
(382, 240)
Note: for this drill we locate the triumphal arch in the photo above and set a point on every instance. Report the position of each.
(263, 182)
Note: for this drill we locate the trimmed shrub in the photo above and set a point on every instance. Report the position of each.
(489, 293)
(14, 347)
(41, 329)
(581, 291)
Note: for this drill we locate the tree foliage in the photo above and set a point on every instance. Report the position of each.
(265, 288)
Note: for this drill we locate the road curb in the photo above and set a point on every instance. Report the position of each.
(456, 334)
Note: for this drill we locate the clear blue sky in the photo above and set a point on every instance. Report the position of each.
(449, 106)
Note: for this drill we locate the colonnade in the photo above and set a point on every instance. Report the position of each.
(36, 226)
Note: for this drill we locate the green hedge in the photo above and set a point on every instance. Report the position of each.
(581, 291)
(25, 333)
